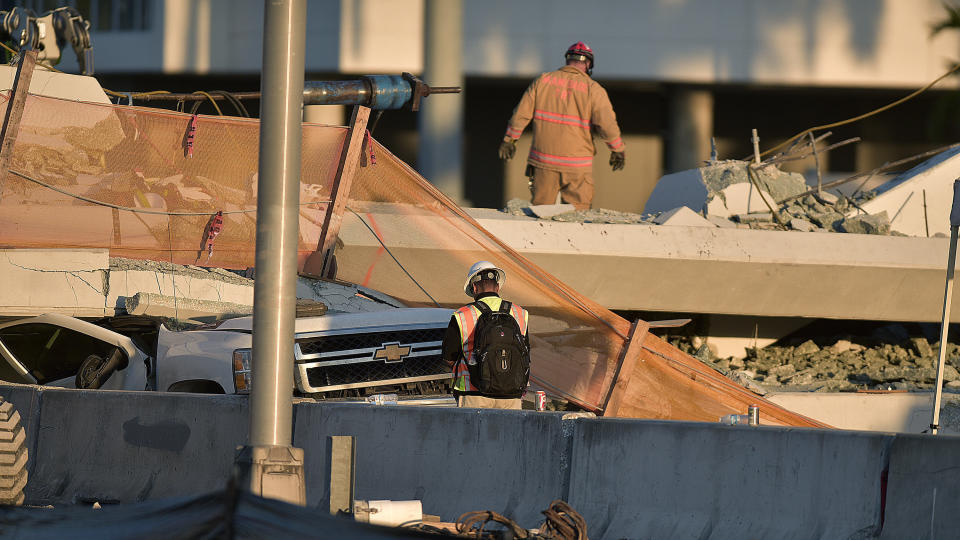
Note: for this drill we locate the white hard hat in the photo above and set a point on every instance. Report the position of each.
(477, 272)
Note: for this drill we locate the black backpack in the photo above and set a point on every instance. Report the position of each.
(501, 352)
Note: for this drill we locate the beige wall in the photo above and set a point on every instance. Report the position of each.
(874, 43)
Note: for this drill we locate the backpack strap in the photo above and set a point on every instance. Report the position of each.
(482, 306)
(505, 306)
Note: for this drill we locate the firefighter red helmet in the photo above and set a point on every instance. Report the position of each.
(582, 52)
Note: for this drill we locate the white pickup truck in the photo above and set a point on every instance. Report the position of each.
(337, 355)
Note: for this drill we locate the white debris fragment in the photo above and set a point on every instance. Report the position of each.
(684, 217)
(547, 211)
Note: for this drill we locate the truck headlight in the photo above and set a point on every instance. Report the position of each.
(241, 370)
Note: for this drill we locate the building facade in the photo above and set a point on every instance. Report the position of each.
(678, 71)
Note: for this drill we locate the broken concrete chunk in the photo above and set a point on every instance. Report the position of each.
(798, 224)
(950, 373)
(684, 217)
(867, 224)
(921, 346)
(780, 185)
(738, 199)
(827, 219)
(307, 307)
(755, 217)
(745, 379)
(723, 189)
(843, 345)
(722, 222)
(517, 207)
(159, 305)
(796, 210)
(826, 197)
(765, 226)
(782, 372)
(547, 211)
(807, 347)
(817, 208)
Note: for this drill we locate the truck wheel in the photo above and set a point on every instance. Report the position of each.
(13, 455)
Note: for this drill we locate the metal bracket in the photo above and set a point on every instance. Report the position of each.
(343, 458)
(14, 113)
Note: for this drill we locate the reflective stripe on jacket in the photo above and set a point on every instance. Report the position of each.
(566, 107)
(467, 318)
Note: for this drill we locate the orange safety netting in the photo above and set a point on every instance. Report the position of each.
(399, 235)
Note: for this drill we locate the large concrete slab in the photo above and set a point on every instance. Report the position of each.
(677, 269)
(57, 84)
(918, 201)
(89, 283)
(72, 282)
(906, 412)
(129, 277)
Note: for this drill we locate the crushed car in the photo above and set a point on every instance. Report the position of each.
(337, 355)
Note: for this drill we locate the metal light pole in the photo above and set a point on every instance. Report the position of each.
(270, 466)
(947, 295)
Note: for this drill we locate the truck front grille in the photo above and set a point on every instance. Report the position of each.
(344, 361)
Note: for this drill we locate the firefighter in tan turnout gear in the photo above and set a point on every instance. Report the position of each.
(566, 107)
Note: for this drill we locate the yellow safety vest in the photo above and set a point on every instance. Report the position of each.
(467, 318)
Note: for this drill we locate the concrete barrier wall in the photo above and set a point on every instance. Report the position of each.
(453, 460)
(697, 480)
(629, 478)
(923, 488)
(131, 446)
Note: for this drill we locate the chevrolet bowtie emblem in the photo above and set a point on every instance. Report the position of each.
(391, 352)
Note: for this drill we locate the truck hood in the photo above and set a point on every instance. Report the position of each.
(345, 321)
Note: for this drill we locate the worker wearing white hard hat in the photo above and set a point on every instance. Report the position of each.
(483, 270)
(467, 344)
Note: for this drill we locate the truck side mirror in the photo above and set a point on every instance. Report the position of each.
(95, 369)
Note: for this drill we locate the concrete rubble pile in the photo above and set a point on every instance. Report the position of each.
(520, 207)
(888, 359)
(722, 195)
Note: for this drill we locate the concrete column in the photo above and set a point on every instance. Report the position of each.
(690, 128)
(440, 157)
(332, 115)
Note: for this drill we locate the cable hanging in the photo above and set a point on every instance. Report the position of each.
(141, 210)
(865, 115)
(385, 248)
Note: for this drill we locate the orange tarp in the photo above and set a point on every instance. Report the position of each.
(82, 157)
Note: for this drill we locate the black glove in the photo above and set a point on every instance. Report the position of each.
(617, 160)
(508, 149)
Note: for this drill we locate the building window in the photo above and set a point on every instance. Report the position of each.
(104, 15)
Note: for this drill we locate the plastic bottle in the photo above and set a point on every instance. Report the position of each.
(734, 419)
(382, 399)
